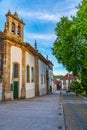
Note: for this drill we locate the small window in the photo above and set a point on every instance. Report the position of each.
(44, 79)
(15, 70)
(28, 73)
(41, 79)
(13, 28)
(19, 31)
(32, 74)
(64, 82)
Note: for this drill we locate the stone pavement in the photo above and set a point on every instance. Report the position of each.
(39, 113)
(85, 98)
(75, 110)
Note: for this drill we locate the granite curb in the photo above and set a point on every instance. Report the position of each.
(85, 98)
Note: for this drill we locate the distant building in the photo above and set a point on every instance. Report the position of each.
(66, 80)
(24, 72)
(58, 84)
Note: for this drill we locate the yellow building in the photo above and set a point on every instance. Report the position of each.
(24, 73)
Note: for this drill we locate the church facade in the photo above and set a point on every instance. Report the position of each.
(24, 72)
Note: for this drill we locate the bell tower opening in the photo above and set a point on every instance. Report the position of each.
(19, 31)
(14, 26)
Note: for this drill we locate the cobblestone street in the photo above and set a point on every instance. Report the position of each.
(39, 113)
(75, 109)
(45, 113)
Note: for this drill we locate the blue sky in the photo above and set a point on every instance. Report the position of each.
(40, 18)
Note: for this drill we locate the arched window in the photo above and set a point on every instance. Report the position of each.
(44, 79)
(32, 74)
(15, 70)
(19, 31)
(13, 28)
(41, 79)
(28, 73)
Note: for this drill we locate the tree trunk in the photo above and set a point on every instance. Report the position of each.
(76, 94)
(86, 91)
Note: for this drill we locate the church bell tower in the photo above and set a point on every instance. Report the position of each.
(14, 26)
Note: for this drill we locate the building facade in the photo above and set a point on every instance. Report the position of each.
(66, 80)
(24, 72)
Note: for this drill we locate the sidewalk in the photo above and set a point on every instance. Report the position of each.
(39, 113)
(85, 98)
(75, 111)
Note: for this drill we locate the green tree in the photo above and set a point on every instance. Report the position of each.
(70, 46)
(76, 86)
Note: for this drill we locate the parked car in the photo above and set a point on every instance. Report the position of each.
(68, 91)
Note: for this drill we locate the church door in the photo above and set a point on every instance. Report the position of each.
(15, 90)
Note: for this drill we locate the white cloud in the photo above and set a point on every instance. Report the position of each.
(46, 37)
(41, 15)
(43, 50)
(46, 16)
(70, 13)
(44, 40)
(58, 69)
(5, 6)
(74, 2)
(60, 72)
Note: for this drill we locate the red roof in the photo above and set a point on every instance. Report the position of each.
(68, 76)
(57, 81)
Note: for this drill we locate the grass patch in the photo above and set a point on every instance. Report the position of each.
(83, 94)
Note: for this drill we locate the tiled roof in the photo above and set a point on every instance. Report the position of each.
(68, 76)
(57, 81)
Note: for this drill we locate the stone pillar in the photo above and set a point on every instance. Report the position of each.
(7, 95)
(23, 90)
(36, 76)
(47, 82)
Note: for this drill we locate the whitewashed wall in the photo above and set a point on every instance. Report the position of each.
(30, 87)
(0, 91)
(62, 84)
(51, 79)
(65, 84)
(16, 56)
(42, 70)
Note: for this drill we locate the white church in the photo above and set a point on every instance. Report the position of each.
(24, 72)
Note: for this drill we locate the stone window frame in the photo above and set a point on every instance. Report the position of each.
(44, 79)
(32, 74)
(41, 78)
(19, 30)
(13, 28)
(16, 78)
(27, 73)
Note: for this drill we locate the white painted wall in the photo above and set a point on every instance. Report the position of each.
(51, 79)
(30, 87)
(42, 70)
(0, 91)
(16, 56)
(65, 84)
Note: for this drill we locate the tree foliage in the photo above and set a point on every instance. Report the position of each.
(70, 46)
(76, 86)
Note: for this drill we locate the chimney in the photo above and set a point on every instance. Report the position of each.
(47, 57)
(35, 45)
